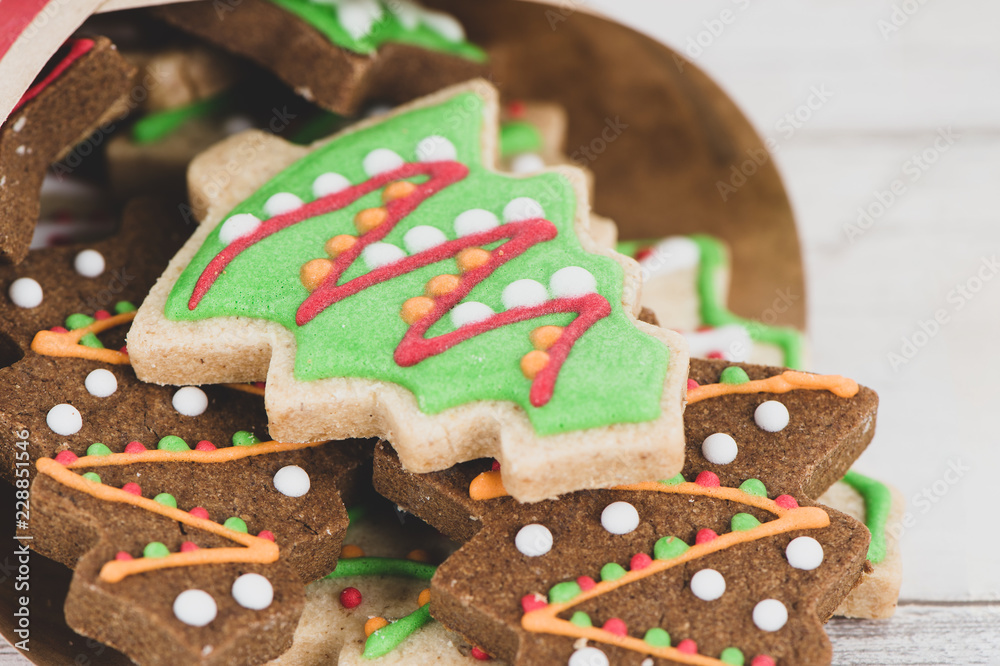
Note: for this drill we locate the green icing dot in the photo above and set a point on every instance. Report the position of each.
(90, 340)
(172, 443)
(754, 487)
(91, 476)
(732, 656)
(668, 548)
(742, 522)
(562, 592)
(734, 375)
(98, 449)
(657, 637)
(166, 499)
(676, 479)
(78, 320)
(244, 438)
(236, 524)
(612, 571)
(581, 619)
(518, 137)
(121, 307)
(155, 549)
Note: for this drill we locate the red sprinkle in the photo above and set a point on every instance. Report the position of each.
(705, 535)
(350, 597)
(530, 602)
(714, 354)
(496, 466)
(132, 488)
(516, 108)
(259, 385)
(134, 447)
(124, 349)
(643, 253)
(762, 660)
(640, 561)
(102, 314)
(692, 385)
(66, 457)
(477, 653)
(687, 646)
(586, 583)
(786, 502)
(204, 445)
(707, 479)
(616, 626)
(266, 534)
(122, 556)
(188, 546)
(199, 512)
(59, 329)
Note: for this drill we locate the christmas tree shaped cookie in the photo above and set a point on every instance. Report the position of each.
(391, 283)
(726, 563)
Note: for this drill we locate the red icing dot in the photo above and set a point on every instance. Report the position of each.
(66, 457)
(530, 602)
(516, 108)
(134, 447)
(132, 488)
(199, 512)
(58, 329)
(640, 561)
(350, 597)
(124, 349)
(585, 583)
(266, 534)
(122, 556)
(762, 660)
(687, 646)
(188, 546)
(705, 535)
(786, 502)
(204, 445)
(477, 653)
(643, 253)
(259, 385)
(692, 384)
(102, 314)
(707, 479)
(496, 466)
(714, 354)
(616, 626)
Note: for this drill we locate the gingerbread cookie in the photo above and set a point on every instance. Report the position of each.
(454, 310)
(726, 563)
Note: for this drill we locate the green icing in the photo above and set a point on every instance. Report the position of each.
(382, 566)
(236, 524)
(581, 619)
(742, 522)
(878, 502)
(754, 487)
(356, 513)
(675, 480)
(612, 571)
(384, 640)
(657, 637)
(121, 307)
(155, 549)
(517, 136)
(244, 438)
(389, 28)
(92, 476)
(98, 449)
(565, 591)
(158, 125)
(172, 443)
(732, 656)
(669, 547)
(734, 375)
(78, 320)
(614, 373)
(166, 499)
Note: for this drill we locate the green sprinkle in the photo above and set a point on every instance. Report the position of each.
(742, 522)
(734, 375)
(90, 340)
(581, 619)
(98, 449)
(732, 656)
(563, 592)
(244, 438)
(172, 443)
(657, 637)
(668, 548)
(91, 476)
(388, 637)
(754, 487)
(236, 524)
(612, 571)
(166, 499)
(78, 320)
(155, 549)
(518, 137)
(676, 479)
(121, 307)
(382, 566)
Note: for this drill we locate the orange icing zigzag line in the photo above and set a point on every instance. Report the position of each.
(783, 383)
(224, 454)
(51, 343)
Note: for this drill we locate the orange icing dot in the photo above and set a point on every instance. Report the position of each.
(374, 624)
(339, 244)
(424, 598)
(418, 555)
(783, 383)
(314, 272)
(487, 485)
(416, 308)
(533, 362)
(51, 343)
(471, 258)
(398, 190)
(441, 285)
(370, 218)
(544, 337)
(350, 551)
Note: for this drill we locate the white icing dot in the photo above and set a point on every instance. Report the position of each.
(190, 401)
(195, 607)
(771, 416)
(533, 540)
(527, 163)
(381, 254)
(443, 24)
(522, 208)
(89, 263)
(64, 420)
(572, 281)
(588, 656)
(422, 238)
(436, 148)
(358, 17)
(25, 293)
(238, 226)
(620, 518)
(524, 293)
(804, 553)
(469, 312)
(253, 591)
(280, 203)
(381, 160)
(671, 254)
(708, 585)
(291, 481)
(732, 341)
(475, 221)
(719, 449)
(408, 13)
(101, 383)
(329, 183)
(770, 615)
